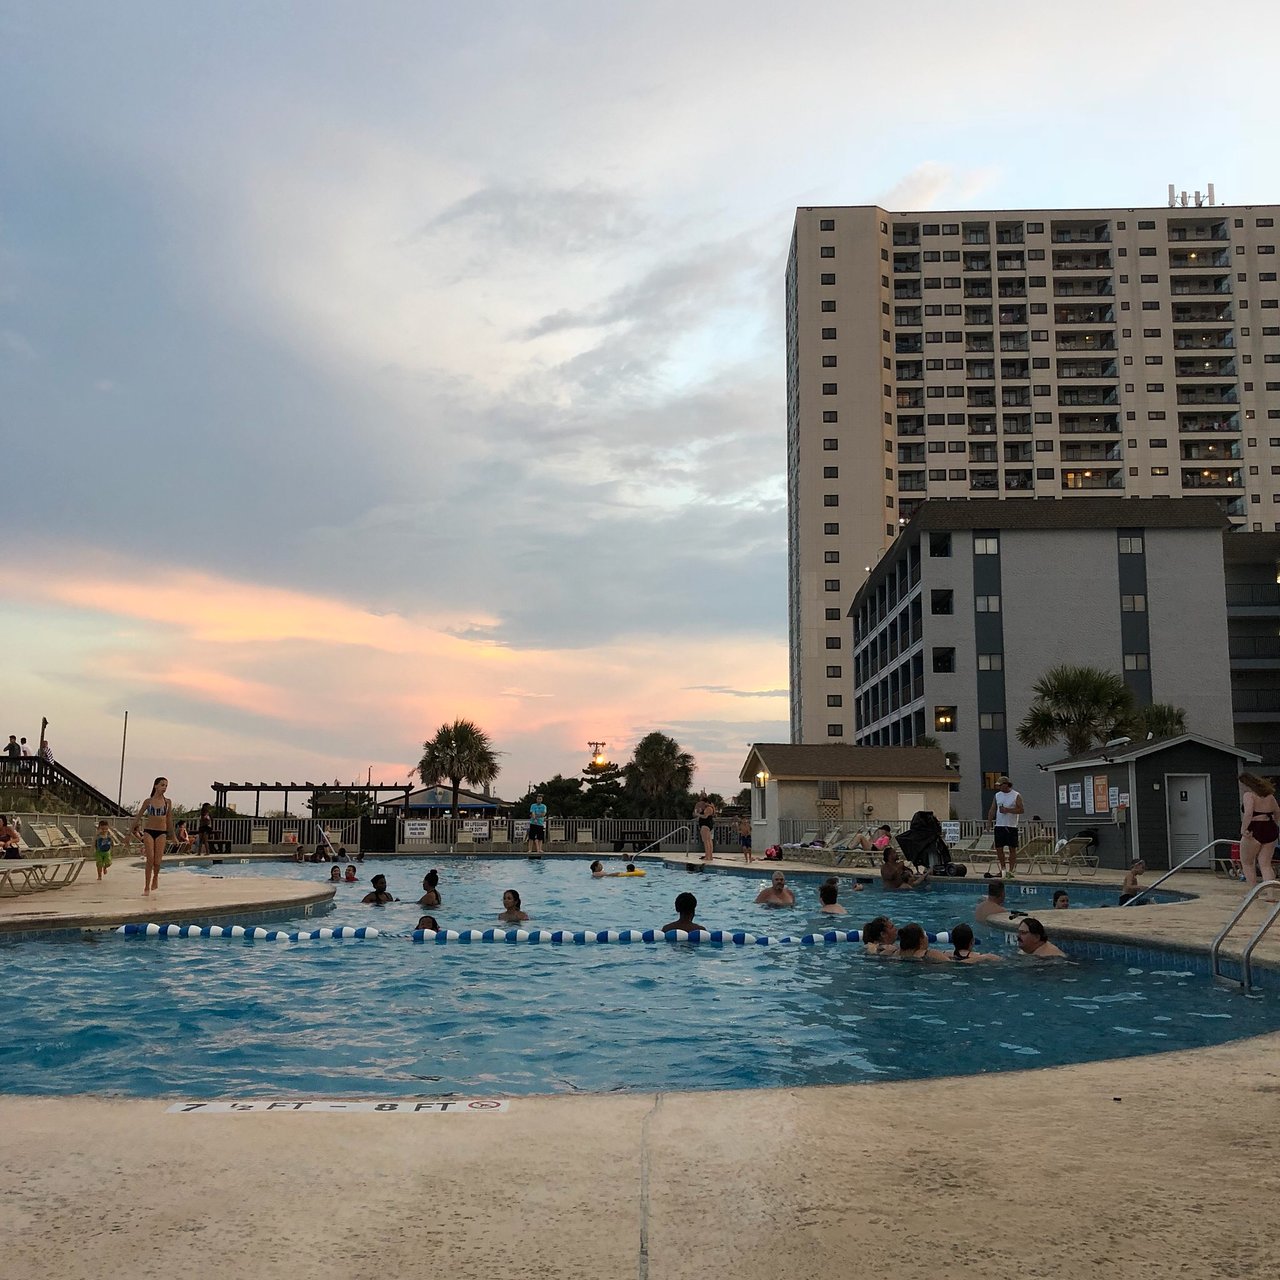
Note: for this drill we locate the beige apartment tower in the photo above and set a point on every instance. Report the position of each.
(1019, 354)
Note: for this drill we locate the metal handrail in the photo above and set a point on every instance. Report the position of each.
(1246, 956)
(671, 835)
(1155, 884)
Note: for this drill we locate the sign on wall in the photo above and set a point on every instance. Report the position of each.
(1074, 791)
(1101, 794)
(417, 829)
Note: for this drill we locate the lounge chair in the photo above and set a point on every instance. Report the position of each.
(18, 879)
(463, 839)
(72, 836)
(1038, 853)
(556, 835)
(57, 875)
(1078, 852)
(586, 838)
(500, 835)
(806, 841)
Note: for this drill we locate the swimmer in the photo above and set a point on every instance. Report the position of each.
(855, 886)
(153, 823)
(913, 944)
(962, 947)
(1131, 888)
(511, 911)
(827, 895)
(896, 874)
(335, 875)
(430, 889)
(597, 870)
(686, 909)
(428, 922)
(1034, 941)
(880, 937)
(992, 904)
(777, 894)
(379, 897)
(630, 871)
(350, 877)
(1061, 900)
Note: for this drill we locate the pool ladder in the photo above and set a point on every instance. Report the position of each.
(1245, 981)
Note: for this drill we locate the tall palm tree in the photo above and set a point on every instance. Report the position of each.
(1160, 720)
(460, 752)
(1079, 706)
(658, 775)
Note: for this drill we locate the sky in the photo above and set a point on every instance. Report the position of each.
(365, 366)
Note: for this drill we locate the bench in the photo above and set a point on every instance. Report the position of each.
(637, 838)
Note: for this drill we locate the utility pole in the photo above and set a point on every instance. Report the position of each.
(124, 738)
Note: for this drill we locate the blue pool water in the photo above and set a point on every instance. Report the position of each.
(386, 1017)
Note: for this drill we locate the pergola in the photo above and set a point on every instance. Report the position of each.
(221, 790)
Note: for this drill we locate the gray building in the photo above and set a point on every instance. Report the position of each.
(976, 599)
(1253, 632)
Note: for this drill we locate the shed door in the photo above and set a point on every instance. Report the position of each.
(1187, 803)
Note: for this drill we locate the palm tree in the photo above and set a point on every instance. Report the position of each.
(461, 752)
(1160, 720)
(658, 775)
(1080, 706)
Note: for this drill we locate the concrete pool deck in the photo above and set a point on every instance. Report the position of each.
(1151, 1167)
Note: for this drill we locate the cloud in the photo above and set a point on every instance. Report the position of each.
(739, 693)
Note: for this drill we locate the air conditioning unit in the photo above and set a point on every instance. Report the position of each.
(868, 809)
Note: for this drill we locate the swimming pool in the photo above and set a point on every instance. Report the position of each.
(386, 1017)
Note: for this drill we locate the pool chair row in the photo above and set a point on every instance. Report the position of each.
(20, 878)
(1038, 854)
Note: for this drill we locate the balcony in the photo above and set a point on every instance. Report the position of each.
(905, 235)
(908, 317)
(1009, 233)
(1020, 451)
(910, 426)
(1205, 340)
(1209, 367)
(977, 315)
(1091, 451)
(1015, 370)
(984, 481)
(1191, 259)
(982, 453)
(1084, 397)
(1012, 289)
(977, 262)
(976, 233)
(1013, 315)
(1260, 650)
(1086, 287)
(1091, 424)
(1081, 260)
(1015, 341)
(977, 288)
(1087, 369)
(908, 344)
(911, 398)
(982, 424)
(1202, 313)
(1211, 451)
(1209, 420)
(1093, 478)
(1208, 395)
(980, 370)
(1212, 478)
(911, 482)
(1016, 424)
(1182, 231)
(982, 398)
(1019, 481)
(909, 454)
(979, 342)
(1083, 313)
(1255, 700)
(907, 289)
(1104, 340)
(909, 371)
(1181, 286)
(1251, 595)
(1011, 262)
(1233, 506)
(1081, 232)
(1015, 397)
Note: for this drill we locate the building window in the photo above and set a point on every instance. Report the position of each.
(1159, 471)
(828, 304)
(991, 662)
(835, 731)
(944, 719)
(831, 473)
(830, 443)
(828, 277)
(831, 557)
(939, 545)
(829, 388)
(941, 602)
(833, 615)
(830, 499)
(991, 720)
(833, 673)
(987, 604)
(828, 362)
(831, 584)
(830, 527)
(1135, 662)
(1130, 546)
(826, 251)
(826, 224)
(833, 642)
(1133, 604)
(835, 700)
(829, 334)
(985, 546)
(944, 660)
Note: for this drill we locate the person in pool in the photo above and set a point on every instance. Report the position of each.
(511, 911)
(828, 895)
(1061, 900)
(335, 875)
(962, 947)
(1034, 941)
(350, 877)
(1131, 887)
(630, 871)
(854, 886)
(992, 904)
(896, 874)
(430, 889)
(597, 870)
(379, 897)
(776, 894)
(428, 922)
(686, 909)
(880, 937)
(913, 944)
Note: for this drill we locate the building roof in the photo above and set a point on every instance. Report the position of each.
(428, 797)
(839, 760)
(1145, 747)
(945, 514)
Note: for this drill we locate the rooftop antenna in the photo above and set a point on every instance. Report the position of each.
(1202, 199)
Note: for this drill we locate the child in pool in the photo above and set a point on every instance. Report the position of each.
(511, 912)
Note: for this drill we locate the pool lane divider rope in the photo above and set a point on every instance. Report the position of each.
(556, 937)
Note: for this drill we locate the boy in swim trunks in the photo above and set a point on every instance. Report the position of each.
(744, 836)
(102, 844)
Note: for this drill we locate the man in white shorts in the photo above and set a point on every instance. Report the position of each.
(1006, 809)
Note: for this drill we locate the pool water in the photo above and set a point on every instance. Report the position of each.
(388, 1017)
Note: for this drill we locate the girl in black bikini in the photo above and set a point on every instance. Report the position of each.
(153, 823)
(1259, 830)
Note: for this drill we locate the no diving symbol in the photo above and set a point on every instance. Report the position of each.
(484, 1106)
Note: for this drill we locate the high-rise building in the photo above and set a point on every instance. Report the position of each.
(1012, 354)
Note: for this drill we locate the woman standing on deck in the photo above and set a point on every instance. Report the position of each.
(704, 813)
(154, 823)
(204, 829)
(1259, 829)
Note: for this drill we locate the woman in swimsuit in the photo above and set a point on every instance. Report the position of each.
(705, 813)
(153, 823)
(1259, 829)
(430, 889)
